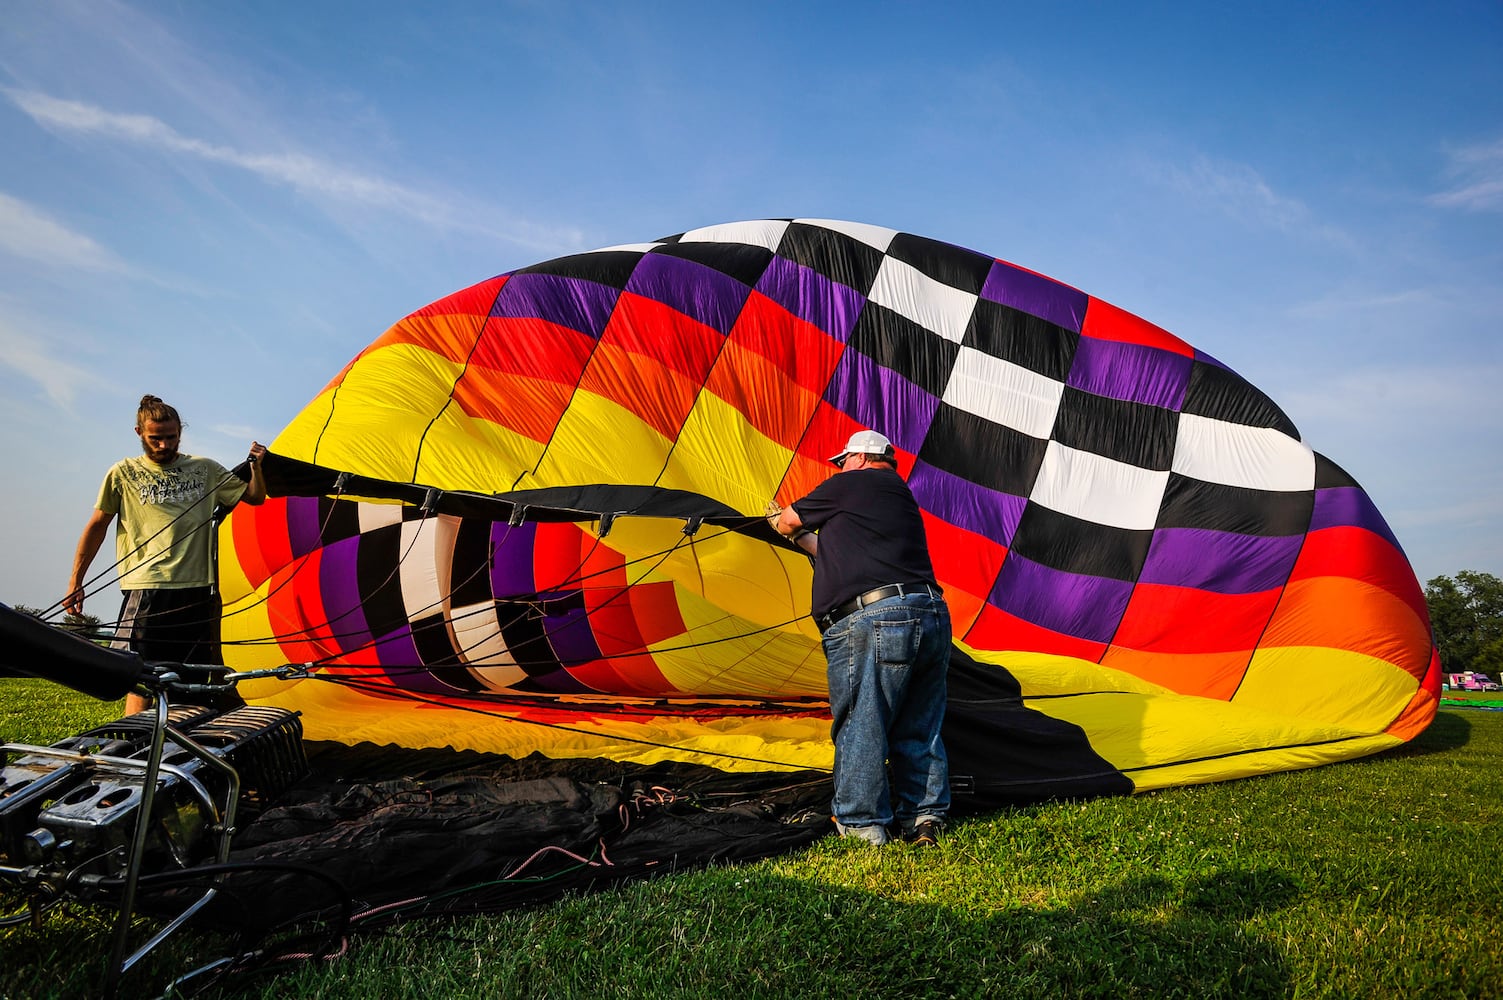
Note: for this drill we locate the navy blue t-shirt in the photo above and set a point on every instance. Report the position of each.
(870, 535)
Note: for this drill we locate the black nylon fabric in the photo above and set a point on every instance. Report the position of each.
(447, 832)
(592, 502)
(29, 647)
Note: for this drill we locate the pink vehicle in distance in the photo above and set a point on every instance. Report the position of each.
(1470, 680)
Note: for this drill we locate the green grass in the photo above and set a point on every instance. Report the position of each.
(1376, 878)
(33, 711)
(1472, 698)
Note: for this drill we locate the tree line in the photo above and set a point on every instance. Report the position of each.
(1466, 614)
(85, 625)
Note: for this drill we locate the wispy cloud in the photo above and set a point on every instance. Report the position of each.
(38, 360)
(1476, 174)
(1454, 310)
(30, 233)
(316, 178)
(304, 173)
(1239, 191)
(1345, 304)
(1440, 402)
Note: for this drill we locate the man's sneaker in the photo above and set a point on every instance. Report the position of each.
(925, 834)
(866, 834)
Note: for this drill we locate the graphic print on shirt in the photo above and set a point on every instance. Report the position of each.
(170, 486)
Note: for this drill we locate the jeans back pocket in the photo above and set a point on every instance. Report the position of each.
(897, 641)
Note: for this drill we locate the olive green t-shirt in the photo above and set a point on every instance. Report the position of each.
(163, 533)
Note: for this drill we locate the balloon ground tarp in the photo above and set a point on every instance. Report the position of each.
(526, 523)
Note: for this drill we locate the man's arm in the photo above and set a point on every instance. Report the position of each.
(789, 524)
(255, 490)
(88, 547)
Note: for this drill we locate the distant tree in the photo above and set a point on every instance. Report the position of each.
(1467, 616)
(85, 625)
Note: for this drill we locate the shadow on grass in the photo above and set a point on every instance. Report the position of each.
(1147, 936)
(1150, 935)
(1448, 731)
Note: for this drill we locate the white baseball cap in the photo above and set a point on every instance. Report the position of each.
(866, 443)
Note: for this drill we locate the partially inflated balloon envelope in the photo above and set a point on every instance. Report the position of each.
(527, 518)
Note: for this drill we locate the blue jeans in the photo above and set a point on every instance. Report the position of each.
(887, 665)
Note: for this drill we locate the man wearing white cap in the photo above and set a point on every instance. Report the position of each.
(886, 635)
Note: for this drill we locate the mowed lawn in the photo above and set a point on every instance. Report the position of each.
(1375, 878)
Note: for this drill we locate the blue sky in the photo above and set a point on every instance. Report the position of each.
(221, 203)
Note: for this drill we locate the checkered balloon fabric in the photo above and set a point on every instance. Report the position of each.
(1122, 523)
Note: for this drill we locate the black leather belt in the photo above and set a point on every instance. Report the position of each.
(860, 601)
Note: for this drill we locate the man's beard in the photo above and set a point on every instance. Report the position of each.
(163, 456)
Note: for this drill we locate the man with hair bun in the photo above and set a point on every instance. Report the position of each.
(165, 502)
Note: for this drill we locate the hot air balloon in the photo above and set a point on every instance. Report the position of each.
(527, 520)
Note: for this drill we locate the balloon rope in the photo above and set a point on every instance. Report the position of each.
(57, 605)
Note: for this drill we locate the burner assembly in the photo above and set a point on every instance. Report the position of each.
(68, 811)
(155, 795)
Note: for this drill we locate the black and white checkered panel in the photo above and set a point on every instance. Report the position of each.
(977, 368)
(845, 252)
(418, 571)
